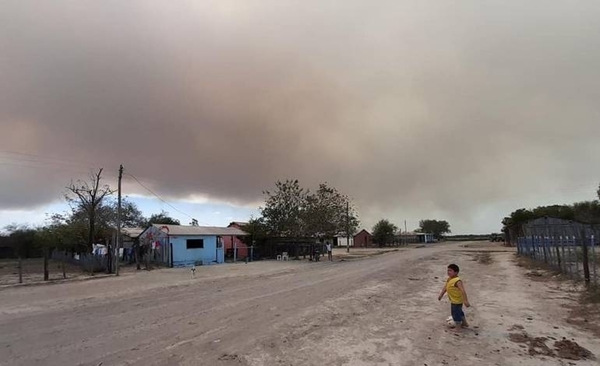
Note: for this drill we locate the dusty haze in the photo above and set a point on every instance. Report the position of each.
(455, 110)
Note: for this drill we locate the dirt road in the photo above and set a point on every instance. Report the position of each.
(381, 310)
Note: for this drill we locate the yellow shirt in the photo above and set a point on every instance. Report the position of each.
(454, 293)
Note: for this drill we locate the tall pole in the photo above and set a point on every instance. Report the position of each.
(118, 246)
(348, 227)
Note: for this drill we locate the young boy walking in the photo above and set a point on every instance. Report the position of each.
(457, 295)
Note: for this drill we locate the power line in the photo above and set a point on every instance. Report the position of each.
(44, 158)
(59, 168)
(159, 197)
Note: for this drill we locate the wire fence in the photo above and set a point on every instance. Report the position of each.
(566, 246)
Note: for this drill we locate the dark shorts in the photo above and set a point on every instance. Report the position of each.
(457, 312)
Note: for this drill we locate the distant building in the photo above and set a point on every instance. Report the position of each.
(342, 241)
(363, 239)
(408, 237)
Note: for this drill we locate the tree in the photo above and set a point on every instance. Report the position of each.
(131, 216)
(106, 218)
(162, 218)
(384, 232)
(257, 230)
(329, 213)
(587, 212)
(64, 235)
(22, 239)
(293, 211)
(436, 227)
(86, 197)
(285, 209)
(350, 221)
(45, 239)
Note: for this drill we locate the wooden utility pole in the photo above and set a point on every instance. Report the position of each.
(118, 246)
(586, 262)
(348, 227)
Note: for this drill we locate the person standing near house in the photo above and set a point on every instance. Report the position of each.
(329, 252)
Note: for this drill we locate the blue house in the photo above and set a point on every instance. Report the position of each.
(180, 246)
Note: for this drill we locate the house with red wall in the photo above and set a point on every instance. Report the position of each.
(233, 243)
(363, 239)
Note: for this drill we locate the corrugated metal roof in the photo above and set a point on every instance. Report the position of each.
(201, 230)
(132, 232)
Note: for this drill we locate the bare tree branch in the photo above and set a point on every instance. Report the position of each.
(87, 197)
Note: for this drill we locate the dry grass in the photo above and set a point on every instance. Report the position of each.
(591, 295)
(539, 271)
(585, 313)
(484, 258)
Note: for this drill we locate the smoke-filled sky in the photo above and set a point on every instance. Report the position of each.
(456, 110)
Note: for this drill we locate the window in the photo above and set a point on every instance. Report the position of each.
(195, 244)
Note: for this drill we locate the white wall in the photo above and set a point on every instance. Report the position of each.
(343, 242)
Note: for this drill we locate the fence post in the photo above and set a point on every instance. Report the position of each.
(544, 244)
(586, 263)
(558, 259)
(549, 247)
(46, 274)
(566, 253)
(594, 262)
(533, 252)
(572, 248)
(20, 269)
(576, 255)
(564, 259)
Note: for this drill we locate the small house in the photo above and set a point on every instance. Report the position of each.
(363, 239)
(235, 248)
(180, 246)
(407, 237)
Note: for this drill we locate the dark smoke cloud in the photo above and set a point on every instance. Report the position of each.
(459, 110)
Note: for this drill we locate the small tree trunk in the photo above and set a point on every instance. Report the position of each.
(136, 252)
(586, 263)
(63, 268)
(20, 269)
(46, 274)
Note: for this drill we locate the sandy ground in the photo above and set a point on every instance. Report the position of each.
(380, 310)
